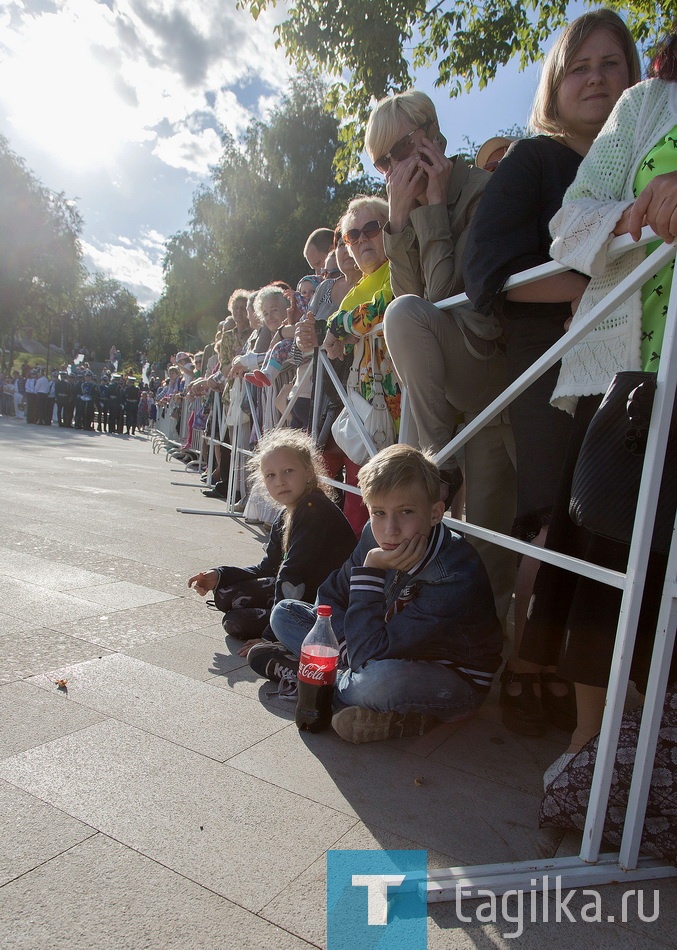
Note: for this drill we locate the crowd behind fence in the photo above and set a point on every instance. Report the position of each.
(174, 432)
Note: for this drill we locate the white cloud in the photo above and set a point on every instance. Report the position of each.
(86, 77)
(190, 150)
(266, 106)
(229, 113)
(153, 239)
(137, 265)
(113, 101)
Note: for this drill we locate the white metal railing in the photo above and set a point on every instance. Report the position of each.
(166, 424)
(219, 430)
(589, 866)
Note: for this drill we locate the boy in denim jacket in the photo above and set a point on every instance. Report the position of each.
(412, 609)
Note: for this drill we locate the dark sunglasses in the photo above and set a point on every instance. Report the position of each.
(331, 274)
(401, 149)
(370, 230)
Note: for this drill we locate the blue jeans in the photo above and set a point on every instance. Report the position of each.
(383, 685)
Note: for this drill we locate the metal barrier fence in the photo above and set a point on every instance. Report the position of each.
(167, 419)
(590, 867)
(172, 423)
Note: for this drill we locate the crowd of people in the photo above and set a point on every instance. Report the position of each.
(601, 163)
(72, 397)
(421, 612)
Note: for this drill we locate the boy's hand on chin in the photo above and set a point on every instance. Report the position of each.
(401, 558)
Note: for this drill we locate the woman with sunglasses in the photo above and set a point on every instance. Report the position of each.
(593, 60)
(361, 310)
(448, 360)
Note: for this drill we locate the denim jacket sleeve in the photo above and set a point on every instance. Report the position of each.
(422, 631)
(449, 612)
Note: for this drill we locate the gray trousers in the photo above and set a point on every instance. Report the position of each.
(445, 380)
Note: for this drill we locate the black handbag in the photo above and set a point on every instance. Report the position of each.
(606, 480)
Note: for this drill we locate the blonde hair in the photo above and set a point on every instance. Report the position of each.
(396, 467)
(384, 122)
(544, 117)
(301, 444)
(370, 203)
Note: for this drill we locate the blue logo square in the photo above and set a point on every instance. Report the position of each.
(375, 901)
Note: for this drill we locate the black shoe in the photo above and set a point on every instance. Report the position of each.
(220, 487)
(213, 493)
(559, 710)
(522, 713)
(245, 623)
(273, 661)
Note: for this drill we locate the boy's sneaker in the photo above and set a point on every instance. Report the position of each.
(355, 724)
(273, 661)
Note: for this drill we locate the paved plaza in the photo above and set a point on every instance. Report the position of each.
(160, 799)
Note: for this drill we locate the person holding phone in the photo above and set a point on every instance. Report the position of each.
(450, 361)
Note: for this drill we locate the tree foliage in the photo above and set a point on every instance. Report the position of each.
(371, 50)
(106, 313)
(44, 287)
(40, 256)
(249, 225)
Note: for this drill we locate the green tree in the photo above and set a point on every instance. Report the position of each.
(106, 313)
(371, 50)
(250, 224)
(40, 255)
(277, 188)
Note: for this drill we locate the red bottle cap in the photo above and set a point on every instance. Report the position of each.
(324, 610)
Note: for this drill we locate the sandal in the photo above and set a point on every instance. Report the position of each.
(522, 713)
(559, 710)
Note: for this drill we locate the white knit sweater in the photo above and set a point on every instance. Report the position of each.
(583, 229)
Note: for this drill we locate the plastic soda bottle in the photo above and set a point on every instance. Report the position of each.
(317, 674)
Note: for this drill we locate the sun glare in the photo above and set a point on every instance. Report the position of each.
(64, 99)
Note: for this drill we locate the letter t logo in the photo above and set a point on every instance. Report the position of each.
(377, 894)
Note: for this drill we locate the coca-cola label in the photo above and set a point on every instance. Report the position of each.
(320, 674)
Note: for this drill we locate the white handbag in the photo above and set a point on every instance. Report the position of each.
(375, 417)
(235, 414)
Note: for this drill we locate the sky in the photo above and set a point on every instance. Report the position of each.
(119, 104)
